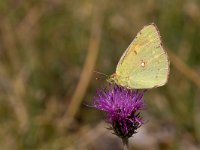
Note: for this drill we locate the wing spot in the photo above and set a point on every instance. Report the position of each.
(135, 52)
(143, 63)
(136, 46)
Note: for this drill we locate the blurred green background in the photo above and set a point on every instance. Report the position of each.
(48, 51)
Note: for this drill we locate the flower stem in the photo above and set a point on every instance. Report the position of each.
(125, 143)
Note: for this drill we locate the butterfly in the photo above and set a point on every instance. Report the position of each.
(144, 64)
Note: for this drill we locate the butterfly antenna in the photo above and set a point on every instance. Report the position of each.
(101, 73)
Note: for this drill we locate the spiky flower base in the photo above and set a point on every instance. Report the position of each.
(122, 107)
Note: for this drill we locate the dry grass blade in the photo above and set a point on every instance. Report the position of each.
(9, 43)
(12, 91)
(93, 49)
(14, 86)
(184, 69)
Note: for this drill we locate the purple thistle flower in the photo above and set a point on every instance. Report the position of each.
(122, 107)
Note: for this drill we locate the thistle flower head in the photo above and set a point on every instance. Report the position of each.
(122, 107)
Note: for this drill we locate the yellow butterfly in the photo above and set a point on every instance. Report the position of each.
(144, 64)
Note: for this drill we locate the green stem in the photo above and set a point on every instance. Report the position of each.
(125, 143)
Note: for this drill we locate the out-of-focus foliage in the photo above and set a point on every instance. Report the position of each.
(43, 48)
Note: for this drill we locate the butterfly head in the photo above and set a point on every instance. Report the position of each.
(112, 79)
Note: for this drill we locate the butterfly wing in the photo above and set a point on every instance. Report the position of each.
(144, 64)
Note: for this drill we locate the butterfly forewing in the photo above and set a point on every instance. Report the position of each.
(145, 63)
